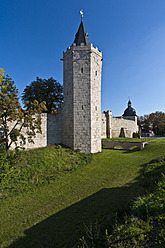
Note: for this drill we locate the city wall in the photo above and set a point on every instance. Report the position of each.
(51, 132)
(123, 128)
(113, 127)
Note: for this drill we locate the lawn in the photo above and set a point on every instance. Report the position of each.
(130, 139)
(159, 140)
(56, 214)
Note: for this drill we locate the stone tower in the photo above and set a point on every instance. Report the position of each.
(82, 63)
(130, 113)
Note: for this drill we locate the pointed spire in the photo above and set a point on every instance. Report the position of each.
(129, 103)
(81, 35)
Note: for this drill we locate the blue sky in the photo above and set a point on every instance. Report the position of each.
(130, 33)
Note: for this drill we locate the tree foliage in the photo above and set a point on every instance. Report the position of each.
(155, 122)
(47, 90)
(13, 118)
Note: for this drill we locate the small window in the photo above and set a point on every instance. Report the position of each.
(82, 107)
(96, 108)
(82, 70)
(96, 73)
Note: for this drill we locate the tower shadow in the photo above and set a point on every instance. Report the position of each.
(64, 229)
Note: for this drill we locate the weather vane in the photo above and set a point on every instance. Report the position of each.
(81, 12)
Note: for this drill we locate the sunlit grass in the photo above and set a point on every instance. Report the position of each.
(53, 215)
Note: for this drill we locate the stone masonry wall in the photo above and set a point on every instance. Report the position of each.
(116, 124)
(51, 132)
(67, 108)
(96, 67)
(103, 126)
(54, 128)
(81, 121)
(81, 96)
(124, 144)
(129, 127)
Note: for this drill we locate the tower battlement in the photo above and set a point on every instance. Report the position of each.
(81, 47)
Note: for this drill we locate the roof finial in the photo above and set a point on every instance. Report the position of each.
(81, 12)
(129, 102)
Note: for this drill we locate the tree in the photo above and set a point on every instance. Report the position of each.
(158, 122)
(145, 123)
(47, 90)
(13, 118)
(1, 74)
(154, 121)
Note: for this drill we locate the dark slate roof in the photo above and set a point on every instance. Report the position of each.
(129, 111)
(81, 35)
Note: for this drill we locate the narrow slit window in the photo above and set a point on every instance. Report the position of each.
(96, 108)
(96, 73)
(82, 107)
(82, 70)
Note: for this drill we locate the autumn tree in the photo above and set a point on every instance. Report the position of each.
(47, 90)
(13, 118)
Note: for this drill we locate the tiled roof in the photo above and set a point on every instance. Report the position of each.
(81, 35)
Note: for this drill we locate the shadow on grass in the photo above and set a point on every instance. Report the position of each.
(132, 150)
(63, 229)
(122, 149)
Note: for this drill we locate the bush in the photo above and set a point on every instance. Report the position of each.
(33, 168)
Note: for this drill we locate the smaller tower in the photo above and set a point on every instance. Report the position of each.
(130, 113)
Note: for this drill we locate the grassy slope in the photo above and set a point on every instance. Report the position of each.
(55, 214)
(143, 223)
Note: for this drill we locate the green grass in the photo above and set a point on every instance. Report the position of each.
(54, 214)
(130, 139)
(27, 170)
(159, 140)
(144, 226)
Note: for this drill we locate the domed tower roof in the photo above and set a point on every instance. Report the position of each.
(129, 111)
